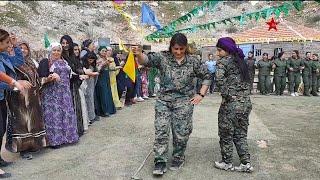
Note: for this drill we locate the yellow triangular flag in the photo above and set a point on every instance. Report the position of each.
(122, 47)
(130, 68)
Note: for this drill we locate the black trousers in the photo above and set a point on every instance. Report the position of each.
(130, 93)
(3, 119)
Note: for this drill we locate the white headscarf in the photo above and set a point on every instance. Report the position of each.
(109, 48)
(54, 45)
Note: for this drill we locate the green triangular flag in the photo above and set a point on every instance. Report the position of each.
(250, 16)
(269, 12)
(241, 20)
(277, 12)
(257, 16)
(297, 5)
(238, 18)
(207, 26)
(213, 25)
(46, 41)
(285, 10)
(264, 14)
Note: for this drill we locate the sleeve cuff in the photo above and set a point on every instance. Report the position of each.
(206, 82)
(145, 59)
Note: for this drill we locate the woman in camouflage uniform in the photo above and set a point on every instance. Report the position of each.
(174, 108)
(232, 77)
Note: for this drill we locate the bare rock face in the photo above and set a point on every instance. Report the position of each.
(93, 19)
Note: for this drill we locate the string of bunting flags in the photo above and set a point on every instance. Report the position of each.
(118, 5)
(196, 12)
(265, 13)
(211, 41)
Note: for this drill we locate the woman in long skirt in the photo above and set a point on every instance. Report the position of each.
(59, 115)
(75, 81)
(113, 72)
(25, 112)
(103, 95)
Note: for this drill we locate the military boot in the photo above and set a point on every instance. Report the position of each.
(176, 163)
(160, 168)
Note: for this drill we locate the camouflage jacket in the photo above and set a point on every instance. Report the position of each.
(176, 81)
(228, 79)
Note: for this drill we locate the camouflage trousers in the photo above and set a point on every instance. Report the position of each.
(233, 122)
(251, 78)
(176, 116)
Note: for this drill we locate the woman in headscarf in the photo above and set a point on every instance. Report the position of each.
(232, 77)
(76, 80)
(113, 72)
(103, 95)
(59, 115)
(25, 112)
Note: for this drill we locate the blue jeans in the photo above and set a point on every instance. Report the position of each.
(213, 83)
(137, 88)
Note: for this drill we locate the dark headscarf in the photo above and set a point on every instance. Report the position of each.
(101, 47)
(86, 43)
(229, 45)
(27, 44)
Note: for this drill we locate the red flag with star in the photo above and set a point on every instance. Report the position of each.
(272, 24)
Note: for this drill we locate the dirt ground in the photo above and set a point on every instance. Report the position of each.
(115, 147)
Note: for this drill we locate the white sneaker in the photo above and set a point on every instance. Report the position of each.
(223, 166)
(292, 94)
(140, 99)
(296, 94)
(244, 168)
(145, 97)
